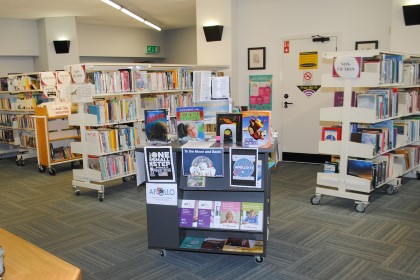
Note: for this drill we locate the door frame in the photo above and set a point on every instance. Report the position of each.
(280, 100)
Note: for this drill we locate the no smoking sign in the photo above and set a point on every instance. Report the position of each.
(307, 78)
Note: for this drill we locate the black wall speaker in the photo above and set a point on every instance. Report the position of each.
(213, 33)
(62, 46)
(411, 14)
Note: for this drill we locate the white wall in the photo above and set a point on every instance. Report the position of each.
(18, 37)
(266, 23)
(181, 45)
(16, 64)
(404, 38)
(112, 41)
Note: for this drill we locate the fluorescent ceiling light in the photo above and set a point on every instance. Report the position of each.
(131, 14)
(112, 4)
(152, 25)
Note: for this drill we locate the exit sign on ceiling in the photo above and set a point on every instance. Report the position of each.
(152, 49)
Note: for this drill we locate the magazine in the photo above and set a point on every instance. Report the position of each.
(256, 128)
(157, 126)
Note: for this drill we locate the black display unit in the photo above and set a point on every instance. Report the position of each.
(164, 232)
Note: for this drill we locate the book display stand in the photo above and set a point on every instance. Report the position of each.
(172, 227)
(397, 154)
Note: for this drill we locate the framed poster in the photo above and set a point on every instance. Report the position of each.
(256, 58)
(366, 45)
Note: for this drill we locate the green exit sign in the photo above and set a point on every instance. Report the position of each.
(152, 49)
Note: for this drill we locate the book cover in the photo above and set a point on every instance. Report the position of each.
(243, 167)
(93, 163)
(331, 133)
(360, 168)
(339, 98)
(213, 243)
(255, 246)
(188, 213)
(191, 131)
(252, 216)
(205, 214)
(190, 242)
(229, 118)
(256, 128)
(229, 214)
(156, 125)
(192, 113)
(367, 101)
(202, 162)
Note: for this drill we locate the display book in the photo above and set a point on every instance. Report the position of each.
(376, 131)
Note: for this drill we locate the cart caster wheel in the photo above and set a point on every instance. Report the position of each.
(360, 207)
(315, 200)
(72, 164)
(101, 197)
(51, 171)
(259, 259)
(389, 190)
(22, 162)
(77, 192)
(18, 162)
(125, 179)
(163, 253)
(41, 169)
(418, 175)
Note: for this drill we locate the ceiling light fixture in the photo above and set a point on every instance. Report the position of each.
(131, 14)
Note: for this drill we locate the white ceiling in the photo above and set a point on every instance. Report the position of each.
(167, 14)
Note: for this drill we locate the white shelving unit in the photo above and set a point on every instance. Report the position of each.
(84, 93)
(341, 184)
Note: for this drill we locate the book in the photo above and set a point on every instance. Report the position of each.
(252, 216)
(196, 181)
(367, 101)
(241, 245)
(157, 125)
(339, 98)
(190, 242)
(243, 167)
(205, 214)
(191, 131)
(256, 128)
(360, 168)
(188, 213)
(331, 133)
(229, 118)
(227, 214)
(213, 243)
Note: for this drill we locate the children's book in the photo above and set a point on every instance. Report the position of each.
(190, 125)
(229, 119)
(157, 125)
(205, 214)
(256, 126)
(360, 168)
(227, 214)
(252, 216)
(190, 242)
(188, 213)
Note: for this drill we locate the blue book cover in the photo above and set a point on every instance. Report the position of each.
(192, 242)
(95, 110)
(206, 162)
(360, 168)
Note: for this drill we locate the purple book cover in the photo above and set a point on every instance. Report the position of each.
(205, 214)
(186, 213)
(339, 96)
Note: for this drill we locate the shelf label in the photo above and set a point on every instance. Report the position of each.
(162, 194)
(152, 49)
(347, 67)
(82, 93)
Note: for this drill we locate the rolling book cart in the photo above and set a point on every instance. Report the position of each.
(376, 75)
(165, 231)
(53, 138)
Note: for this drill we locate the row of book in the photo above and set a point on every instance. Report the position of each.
(128, 80)
(23, 102)
(112, 166)
(171, 101)
(247, 216)
(23, 83)
(385, 102)
(26, 139)
(388, 66)
(6, 136)
(114, 139)
(388, 165)
(17, 121)
(60, 153)
(231, 244)
(411, 74)
(115, 110)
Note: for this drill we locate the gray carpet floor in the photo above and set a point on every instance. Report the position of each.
(108, 240)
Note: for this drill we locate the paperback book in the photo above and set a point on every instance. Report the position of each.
(256, 127)
(190, 242)
(213, 243)
(360, 168)
(243, 245)
(227, 214)
(205, 214)
(188, 214)
(157, 125)
(202, 162)
(252, 216)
